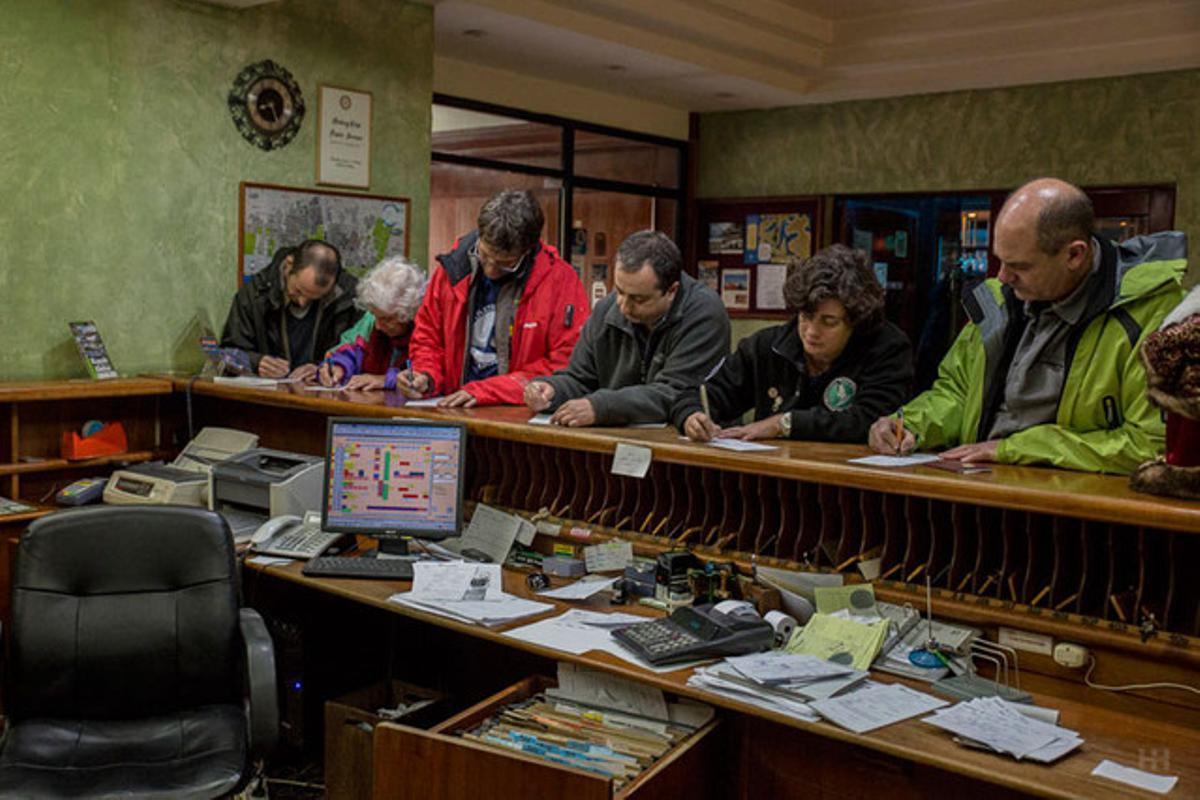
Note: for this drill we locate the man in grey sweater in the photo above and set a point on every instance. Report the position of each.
(659, 332)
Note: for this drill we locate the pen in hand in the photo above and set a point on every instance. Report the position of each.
(704, 401)
(899, 429)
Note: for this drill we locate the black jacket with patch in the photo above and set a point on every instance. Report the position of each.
(767, 372)
(256, 318)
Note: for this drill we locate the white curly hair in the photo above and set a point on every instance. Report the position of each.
(393, 286)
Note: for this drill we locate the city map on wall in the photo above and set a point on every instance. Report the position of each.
(364, 228)
(777, 237)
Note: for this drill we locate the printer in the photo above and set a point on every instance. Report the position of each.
(259, 484)
(185, 481)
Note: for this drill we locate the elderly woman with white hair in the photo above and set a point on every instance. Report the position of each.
(376, 349)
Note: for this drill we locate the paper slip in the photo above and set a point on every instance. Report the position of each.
(539, 419)
(579, 590)
(491, 531)
(714, 679)
(740, 445)
(315, 388)
(439, 581)
(422, 402)
(631, 460)
(894, 461)
(1160, 784)
(876, 705)
(594, 688)
(526, 532)
(607, 557)
(269, 561)
(840, 640)
(777, 667)
(251, 381)
(484, 612)
(857, 598)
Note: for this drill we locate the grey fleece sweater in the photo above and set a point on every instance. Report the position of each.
(607, 368)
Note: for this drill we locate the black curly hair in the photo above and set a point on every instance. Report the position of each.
(837, 273)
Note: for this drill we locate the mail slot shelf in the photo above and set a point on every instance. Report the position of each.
(56, 464)
(1122, 574)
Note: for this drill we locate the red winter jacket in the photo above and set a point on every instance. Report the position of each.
(549, 314)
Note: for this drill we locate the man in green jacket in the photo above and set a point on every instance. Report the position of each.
(1047, 370)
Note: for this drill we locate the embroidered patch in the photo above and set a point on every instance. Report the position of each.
(839, 394)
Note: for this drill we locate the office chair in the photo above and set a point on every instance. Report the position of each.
(133, 671)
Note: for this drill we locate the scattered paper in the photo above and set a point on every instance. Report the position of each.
(581, 589)
(578, 631)
(594, 688)
(647, 425)
(1159, 784)
(526, 532)
(723, 680)
(740, 445)
(437, 581)
(777, 667)
(539, 419)
(490, 613)
(894, 461)
(631, 460)
(858, 598)
(876, 705)
(768, 286)
(994, 723)
(614, 555)
(317, 388)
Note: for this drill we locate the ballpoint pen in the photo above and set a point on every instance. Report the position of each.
(899, 429)
(704, 401)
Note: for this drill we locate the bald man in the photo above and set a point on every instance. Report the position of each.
(1046, 372)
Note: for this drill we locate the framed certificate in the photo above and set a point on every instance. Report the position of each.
(344, 137)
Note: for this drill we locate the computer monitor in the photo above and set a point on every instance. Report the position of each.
(394, 479)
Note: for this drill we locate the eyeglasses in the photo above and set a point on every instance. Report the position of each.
(488, 259)
(826, 321)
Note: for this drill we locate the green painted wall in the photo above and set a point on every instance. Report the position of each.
(120, 165)
(1134, 130)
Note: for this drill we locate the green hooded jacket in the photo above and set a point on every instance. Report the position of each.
(1104, 422)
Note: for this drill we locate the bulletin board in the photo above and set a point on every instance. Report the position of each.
(744, 245)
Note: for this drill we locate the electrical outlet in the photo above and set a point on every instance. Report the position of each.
(1072, 656)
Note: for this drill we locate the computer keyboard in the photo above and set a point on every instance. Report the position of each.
(392, 569)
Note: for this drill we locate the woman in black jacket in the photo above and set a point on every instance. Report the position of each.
(825, 375)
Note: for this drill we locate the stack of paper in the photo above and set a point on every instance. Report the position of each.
(876, 705)
(843, 641)
(722, 679)
(466, 592)
(578, 631)
(999, 726)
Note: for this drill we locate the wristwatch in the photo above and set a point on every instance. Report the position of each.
(785, 424)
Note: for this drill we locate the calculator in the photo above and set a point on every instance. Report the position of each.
(694, 632)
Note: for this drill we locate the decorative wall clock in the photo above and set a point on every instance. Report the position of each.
(266, 105)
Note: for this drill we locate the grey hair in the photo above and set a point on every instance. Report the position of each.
(394, 286)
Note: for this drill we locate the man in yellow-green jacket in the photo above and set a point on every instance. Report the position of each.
(1047, 370)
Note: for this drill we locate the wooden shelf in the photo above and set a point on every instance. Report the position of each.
(84, 388)
(54, 464)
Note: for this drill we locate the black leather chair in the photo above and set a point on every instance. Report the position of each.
(133, 671)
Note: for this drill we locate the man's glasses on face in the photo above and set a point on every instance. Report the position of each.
(501, 262)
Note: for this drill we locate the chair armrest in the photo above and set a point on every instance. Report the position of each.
(260, 682)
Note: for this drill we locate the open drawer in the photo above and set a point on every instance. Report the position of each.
(434, 764)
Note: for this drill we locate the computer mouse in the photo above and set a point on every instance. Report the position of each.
(471, 554)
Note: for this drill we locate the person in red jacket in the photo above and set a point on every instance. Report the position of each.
(502, 309)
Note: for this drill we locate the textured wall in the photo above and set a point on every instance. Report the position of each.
(1134, 130)
(120, 165)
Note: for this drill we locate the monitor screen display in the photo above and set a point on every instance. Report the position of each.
(394, 477)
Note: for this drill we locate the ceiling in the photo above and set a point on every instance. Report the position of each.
(712, 55)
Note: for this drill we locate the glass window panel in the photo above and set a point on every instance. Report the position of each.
(472, 133)
(457, 192)
(602, 220)
(615, 158)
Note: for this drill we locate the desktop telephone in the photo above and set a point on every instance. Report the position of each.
(693, 632)
(293, 537)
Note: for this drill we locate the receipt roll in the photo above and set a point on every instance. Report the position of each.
(783, 626)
